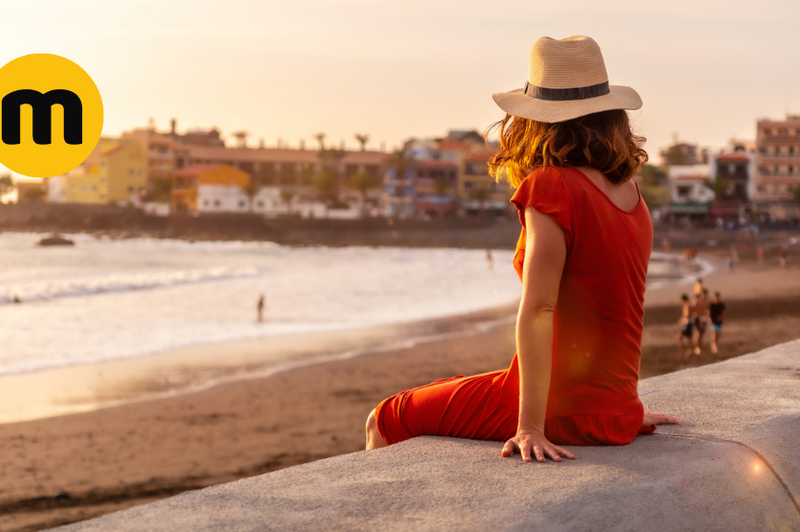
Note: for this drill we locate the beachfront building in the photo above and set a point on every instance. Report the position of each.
(777, 162)
(435, 188)
(289, 172)
(446, 176)
(115, 172)
(162, 148)
(733, 170)
(210, 188)
(689, 196)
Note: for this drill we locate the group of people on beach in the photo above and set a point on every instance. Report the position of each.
(696, 316)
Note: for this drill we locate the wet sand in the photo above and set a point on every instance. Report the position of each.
(68, 468)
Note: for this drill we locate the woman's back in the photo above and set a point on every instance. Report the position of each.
(598, 317)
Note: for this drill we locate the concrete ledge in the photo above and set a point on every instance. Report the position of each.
(734, 464)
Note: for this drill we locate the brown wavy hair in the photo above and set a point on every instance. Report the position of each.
(603, 141)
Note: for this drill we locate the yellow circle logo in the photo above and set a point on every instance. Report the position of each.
(51, 115)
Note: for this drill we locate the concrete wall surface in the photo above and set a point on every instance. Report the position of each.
(732, 465)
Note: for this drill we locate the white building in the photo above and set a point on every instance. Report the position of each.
(687, 191)
(222, 198)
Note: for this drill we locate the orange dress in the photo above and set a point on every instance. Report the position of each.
(593, 398)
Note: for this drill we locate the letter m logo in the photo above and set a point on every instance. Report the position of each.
(42, 115)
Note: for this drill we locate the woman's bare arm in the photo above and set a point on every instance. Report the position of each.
(545, 255)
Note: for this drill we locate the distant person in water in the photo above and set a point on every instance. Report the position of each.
(716, 312)
(782, 252)
(490, 259)
(685, 327)
(701, 307)
(16, 299)
(260, 306)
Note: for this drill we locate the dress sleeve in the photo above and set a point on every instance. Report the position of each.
(546, 191)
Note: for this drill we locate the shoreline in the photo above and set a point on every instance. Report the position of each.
(190, 369)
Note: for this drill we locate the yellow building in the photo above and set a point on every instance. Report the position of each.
(123, 172)
(209, 187)
(116, 171)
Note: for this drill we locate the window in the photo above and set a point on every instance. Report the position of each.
(683, 192)
(777, 150)
(241, 203)
(216, 203)
(205, 203)
(791, 169)
(131, 172)
(130, 188)
(259, 203)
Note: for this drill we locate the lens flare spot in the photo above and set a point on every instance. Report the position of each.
(757, 468)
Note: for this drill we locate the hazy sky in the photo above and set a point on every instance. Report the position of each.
(705, 69)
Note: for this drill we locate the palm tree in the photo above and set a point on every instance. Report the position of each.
(241, 138)
(321, 139)
(362, 139)
(251, 191)
(362, 182)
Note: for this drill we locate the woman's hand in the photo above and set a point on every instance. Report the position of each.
(654, 418)
(532, 440)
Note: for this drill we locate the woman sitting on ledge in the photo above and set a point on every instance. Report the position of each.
(567, 147)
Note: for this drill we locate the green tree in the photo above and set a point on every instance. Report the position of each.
(796, 194)
(400, 162)
(325, 185)
(481, 194)
(287, 195)
(6, 185)
(442, 187)
(160, 190)
(719, 186)
(363, 182)
(653, 174)
(35, 195)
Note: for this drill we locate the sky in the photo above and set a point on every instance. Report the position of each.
(706, 70)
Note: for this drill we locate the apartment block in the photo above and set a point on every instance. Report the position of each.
(777, 161)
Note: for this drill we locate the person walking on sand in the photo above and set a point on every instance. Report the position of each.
(685, 327)
(566, 146)
(490, 260)
(698, 287)
(701, 307)
(716, 312)
(260, 306)
(782, 252)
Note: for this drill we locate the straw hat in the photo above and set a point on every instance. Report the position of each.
(566, 79)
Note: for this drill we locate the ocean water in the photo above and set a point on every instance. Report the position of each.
(107, 299)
(110, 299)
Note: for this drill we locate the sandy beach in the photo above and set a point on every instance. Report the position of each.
(68, 468)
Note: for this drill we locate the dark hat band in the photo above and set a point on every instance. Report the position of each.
(572, 93)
